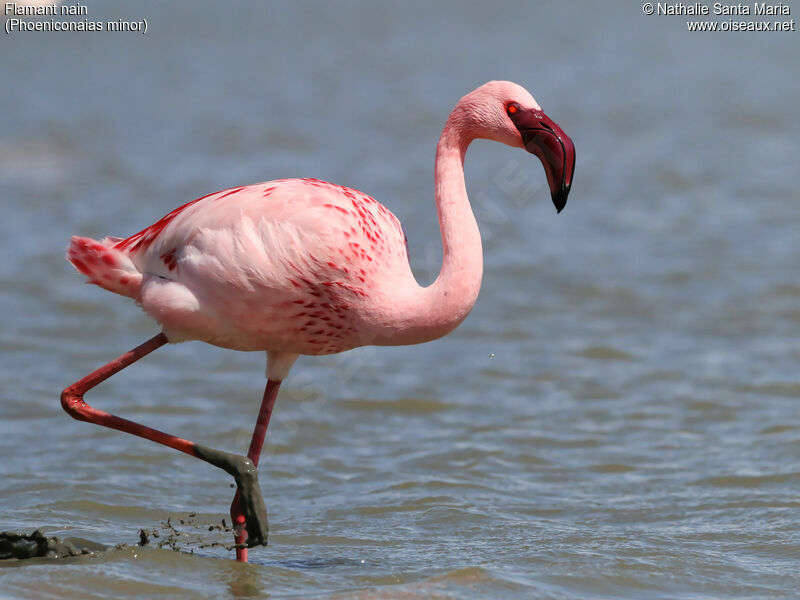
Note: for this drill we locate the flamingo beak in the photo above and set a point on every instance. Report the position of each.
(542, 137)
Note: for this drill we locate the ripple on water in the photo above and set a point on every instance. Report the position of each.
(605, 353)
(612, 468)
(778, 429)
(469, 581)
(399, 406)
(750, 481)
(788, 389)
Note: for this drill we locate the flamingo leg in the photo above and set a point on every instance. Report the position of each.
(243, 470)
(254, 453)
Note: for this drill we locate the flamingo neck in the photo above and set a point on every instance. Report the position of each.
(449, 299)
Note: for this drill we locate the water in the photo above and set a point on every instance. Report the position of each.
(617, 418)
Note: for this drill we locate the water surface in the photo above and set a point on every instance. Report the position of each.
(617, 418)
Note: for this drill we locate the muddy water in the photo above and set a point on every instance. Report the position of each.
(617, 418)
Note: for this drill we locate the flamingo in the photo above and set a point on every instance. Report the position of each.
(305, 267)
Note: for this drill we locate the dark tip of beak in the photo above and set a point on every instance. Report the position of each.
(560, 199)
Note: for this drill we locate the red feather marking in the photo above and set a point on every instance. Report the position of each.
(81, 266)
(316, 182)
(169, 259)
(146, 236)
(228, 193)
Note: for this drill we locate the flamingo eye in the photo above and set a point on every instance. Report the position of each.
(512, 108)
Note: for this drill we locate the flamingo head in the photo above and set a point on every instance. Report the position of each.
(505, 112)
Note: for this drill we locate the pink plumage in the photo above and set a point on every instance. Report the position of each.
(291, 265)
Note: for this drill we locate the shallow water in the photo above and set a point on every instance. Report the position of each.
(617, 418)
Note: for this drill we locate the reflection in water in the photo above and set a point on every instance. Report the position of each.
(245, 580)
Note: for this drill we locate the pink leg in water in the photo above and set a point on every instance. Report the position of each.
(250, 514)
(254, 453)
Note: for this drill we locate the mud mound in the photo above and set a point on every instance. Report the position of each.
(178, 534)
(36, 544)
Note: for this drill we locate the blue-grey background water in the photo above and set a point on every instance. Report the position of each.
(617, 418)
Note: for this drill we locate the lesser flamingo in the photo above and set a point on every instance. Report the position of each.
(301, 266)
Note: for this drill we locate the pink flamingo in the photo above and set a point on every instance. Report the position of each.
(301, 266)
